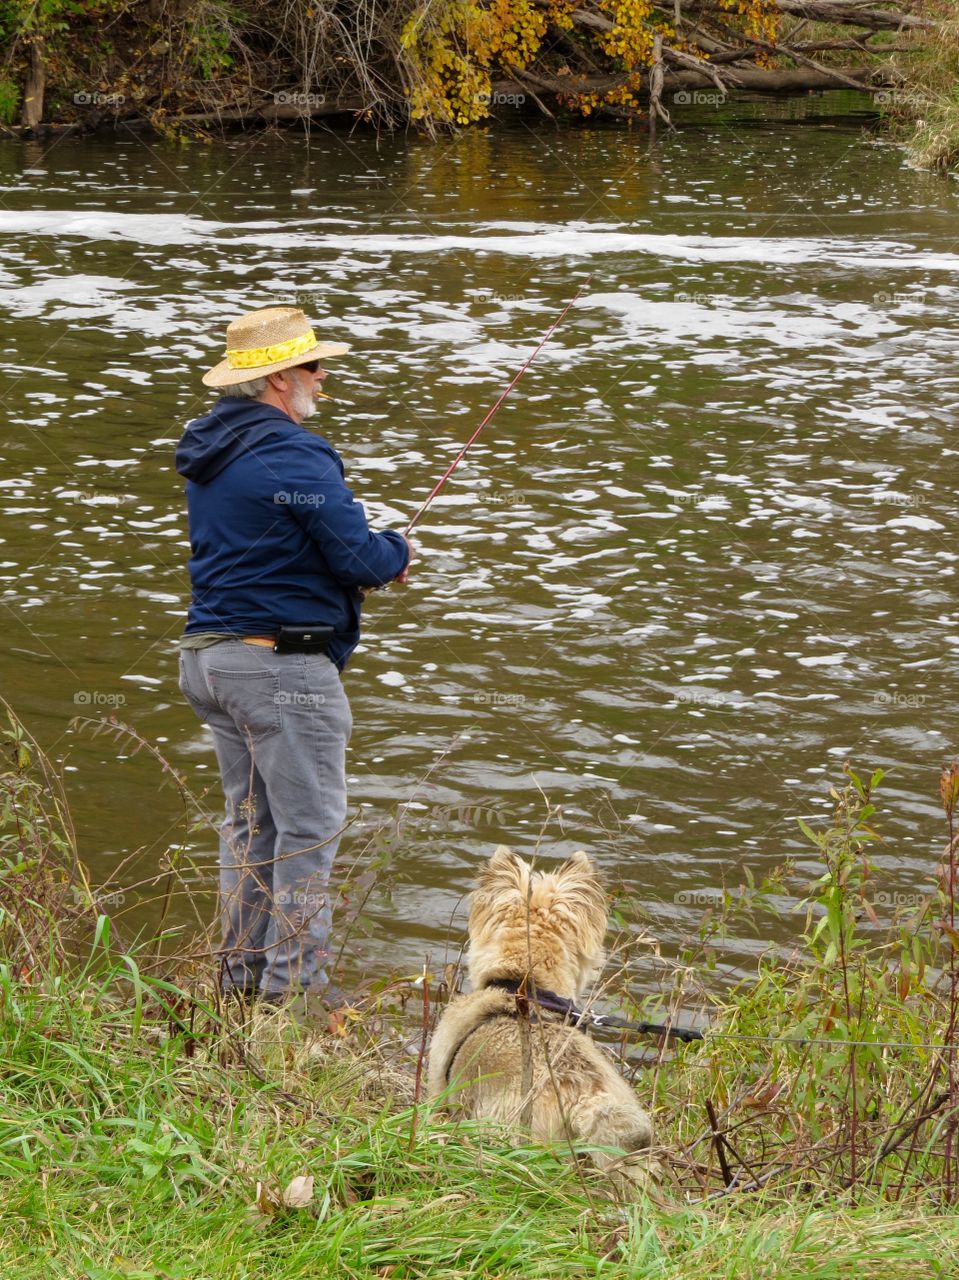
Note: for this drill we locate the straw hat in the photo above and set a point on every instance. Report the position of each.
(268, 341)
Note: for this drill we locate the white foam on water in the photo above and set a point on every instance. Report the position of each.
(88, 292)
(913, 522)
(84, 297)
(143, 228)
(536, 240)
(392, 678)
(669, 323)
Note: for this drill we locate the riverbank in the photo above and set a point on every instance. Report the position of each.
(150, 1131)
(924, 110)
(132, 1148)
(199, 71)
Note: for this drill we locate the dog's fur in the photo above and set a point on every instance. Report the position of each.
(537, 1074)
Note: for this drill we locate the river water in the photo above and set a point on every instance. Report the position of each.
(705, 553)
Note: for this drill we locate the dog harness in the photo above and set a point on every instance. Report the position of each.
(526, 995)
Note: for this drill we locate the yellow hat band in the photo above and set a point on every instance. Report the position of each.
(257, 357)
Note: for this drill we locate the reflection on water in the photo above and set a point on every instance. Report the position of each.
(703, 555)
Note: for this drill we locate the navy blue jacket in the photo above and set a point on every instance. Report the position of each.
(275, 533)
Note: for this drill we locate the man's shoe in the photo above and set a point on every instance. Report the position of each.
(334, 998)
(325, 1007)
(273, 999)
(242, 995)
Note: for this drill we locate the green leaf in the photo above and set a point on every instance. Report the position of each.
(808, 832)
(857, 783)
(823, 923)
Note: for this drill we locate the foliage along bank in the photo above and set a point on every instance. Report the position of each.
(181, 66)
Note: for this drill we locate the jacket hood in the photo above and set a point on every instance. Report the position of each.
(234, 424)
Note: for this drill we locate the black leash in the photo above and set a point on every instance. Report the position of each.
(553, 1003)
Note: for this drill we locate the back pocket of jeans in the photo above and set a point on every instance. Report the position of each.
(250, 698)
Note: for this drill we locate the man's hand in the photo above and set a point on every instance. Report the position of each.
(401, 577)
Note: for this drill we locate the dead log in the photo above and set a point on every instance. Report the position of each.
(789, 52)
(265, 113)
(702, 67)
(853, 13)
(814, 75)
(593, 21)
(35, 85)
(752, 79)
(41, 131)
(657, 76)
(844, 12)
(822, 46)
(793, 80)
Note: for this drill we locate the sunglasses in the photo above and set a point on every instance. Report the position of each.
(311, 366)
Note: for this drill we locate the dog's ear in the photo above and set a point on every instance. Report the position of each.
(579, 875)
(505, 874)
(503, 882)
(580, 883)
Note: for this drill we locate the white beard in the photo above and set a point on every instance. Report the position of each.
(302, 402)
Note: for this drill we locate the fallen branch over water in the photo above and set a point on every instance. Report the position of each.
(753, 79)
(442, 64)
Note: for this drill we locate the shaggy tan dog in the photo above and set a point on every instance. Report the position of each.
(502, 1058)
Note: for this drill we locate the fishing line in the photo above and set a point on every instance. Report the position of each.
(516, 377)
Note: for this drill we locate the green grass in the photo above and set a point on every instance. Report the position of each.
(128, 1152)
(146, 1134)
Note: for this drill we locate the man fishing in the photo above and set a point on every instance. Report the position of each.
(280, 550)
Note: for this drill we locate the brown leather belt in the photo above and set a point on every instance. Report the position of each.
(266, 642)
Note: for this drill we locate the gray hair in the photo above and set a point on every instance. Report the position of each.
(247, 390)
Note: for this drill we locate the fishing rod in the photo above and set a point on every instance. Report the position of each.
(516, 377)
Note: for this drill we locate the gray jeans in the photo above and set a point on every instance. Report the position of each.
(280, 727)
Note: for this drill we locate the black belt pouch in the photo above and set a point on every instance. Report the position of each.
(303, 639)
